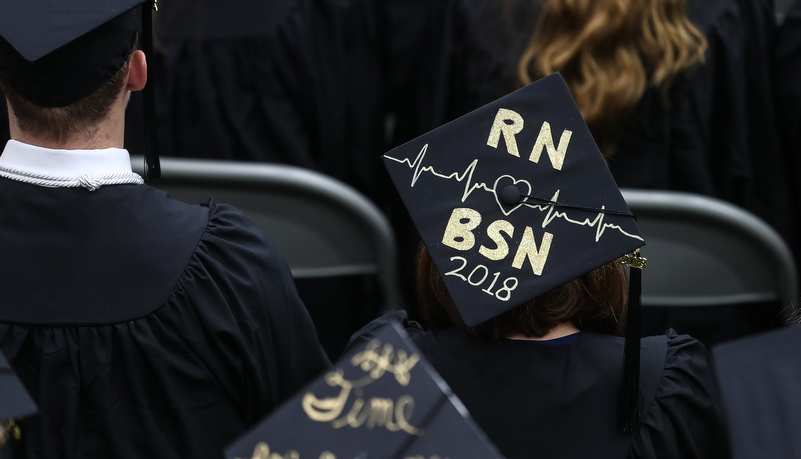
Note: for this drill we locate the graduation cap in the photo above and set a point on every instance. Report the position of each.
(56, 52)
(382, 399)
(15, 403)
(513, 200)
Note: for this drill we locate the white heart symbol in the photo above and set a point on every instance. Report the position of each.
(514, 182)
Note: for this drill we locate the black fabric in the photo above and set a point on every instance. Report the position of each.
(761, 393)
(204, 20)
(58, 58)
(339, 306)
(177, 376)
(38, 29)
(431, 75)
(712, 325)
(57, 247)
(788, 104)
(718, 134)
(295, 82)
(539, 400)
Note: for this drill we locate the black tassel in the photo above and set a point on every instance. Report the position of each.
(152, 164)
(628, 414)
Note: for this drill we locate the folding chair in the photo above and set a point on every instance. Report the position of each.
(704, 252)
(322, 227)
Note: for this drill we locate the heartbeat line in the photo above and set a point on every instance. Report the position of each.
(419, 169)
(466, 176)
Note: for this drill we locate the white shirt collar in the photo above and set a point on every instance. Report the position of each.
(46, 161)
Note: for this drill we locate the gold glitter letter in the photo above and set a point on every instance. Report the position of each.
(545, 140)
(459, 235)
(327, 409)
(528, 246)
(509, 130)
(494, 232)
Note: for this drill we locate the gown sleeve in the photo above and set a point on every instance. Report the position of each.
(366, 333)
(268, 339)
(683, 421)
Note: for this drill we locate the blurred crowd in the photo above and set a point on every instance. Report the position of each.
(689, 96)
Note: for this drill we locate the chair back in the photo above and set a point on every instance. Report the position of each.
(706, 252)
(321, 226)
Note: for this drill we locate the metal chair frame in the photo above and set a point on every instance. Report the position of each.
(703, 251)
(321, 226)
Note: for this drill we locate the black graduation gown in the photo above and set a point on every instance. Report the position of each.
(718, 133)
(535, 399)
(143, 326)
(788, 104)
(286, 81)
(560, 400)
(761, 393)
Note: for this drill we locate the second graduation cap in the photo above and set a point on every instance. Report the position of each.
(513, 200)
(381, 400)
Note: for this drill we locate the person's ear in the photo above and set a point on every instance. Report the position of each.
(137, 71)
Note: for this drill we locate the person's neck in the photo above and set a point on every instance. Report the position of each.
(556, 332)
(106, 133)
(90, 141)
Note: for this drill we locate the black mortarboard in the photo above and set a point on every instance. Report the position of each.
(54, 52)
(381, 400)
(15, 403)
(513, 200)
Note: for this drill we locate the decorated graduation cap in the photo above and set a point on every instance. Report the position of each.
(382, 399)
(56, 52)
(514, 199)
(15, 403)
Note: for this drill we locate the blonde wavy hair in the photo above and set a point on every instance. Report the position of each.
(609, 52)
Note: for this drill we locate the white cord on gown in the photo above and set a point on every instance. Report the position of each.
(88, 181)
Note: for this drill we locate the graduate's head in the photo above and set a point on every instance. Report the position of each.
(596, 301)
(522, 220)
(57, 124)
(63, 65)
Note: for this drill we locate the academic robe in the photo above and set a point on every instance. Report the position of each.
(761, 393)
(144, 327)
(559, 398)
(788, 104)
(286, 81)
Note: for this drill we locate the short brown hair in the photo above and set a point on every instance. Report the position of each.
(595, 302)
(59, 123)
